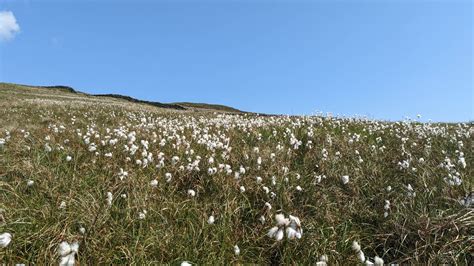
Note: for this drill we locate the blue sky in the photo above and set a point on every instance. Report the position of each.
(384, 59)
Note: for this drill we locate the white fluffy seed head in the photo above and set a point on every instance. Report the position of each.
(323, 258)
(211, 220)
(64, 249)
(280, 219)
(291, 233)
(345, 179)
(236, 250)
(5, 239)
(110, 197)
(191, 193)
(295, 221)
(279, 235)
(272, 232)
(361, 256)
(268, 205)
(378, 261)
(168, 177)
(142, 215)
(355, 246)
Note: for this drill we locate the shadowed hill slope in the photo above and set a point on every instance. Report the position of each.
(176, 106)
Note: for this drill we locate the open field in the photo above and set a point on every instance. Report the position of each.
(133, 183)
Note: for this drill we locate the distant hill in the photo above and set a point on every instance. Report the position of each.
(131, 99)
(58, 87)
(217, 107)
(176, 106)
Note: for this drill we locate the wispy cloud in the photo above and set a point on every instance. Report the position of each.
(8, 26)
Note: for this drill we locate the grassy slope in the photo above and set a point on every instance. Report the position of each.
(217, 107)
(431, 227)
(50, 90)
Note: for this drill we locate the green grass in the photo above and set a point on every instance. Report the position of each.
(433, 227)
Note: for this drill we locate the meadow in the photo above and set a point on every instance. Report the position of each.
(104, 181)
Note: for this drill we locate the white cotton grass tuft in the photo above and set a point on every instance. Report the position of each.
(67, 253)
(272, 231)
(462, 162)
(82, 230)
(5, 239)
(236, 250)
(291, 225)
(185, 263)
(236, 175)
(378, 261)
(211, 219)
(279, 235)
(358, 250)
(345, 179)
(68, 158)
(410, 191)
(64, 249)
(323, 261)
(122, 174)
(142, 215)
(355, 246)
(294, 229)
(62, 205)
(292, 233)
(168, 177)
(361, 256)
(386, 207)
(154, 183)
(110, 198)
(268, 205)
(191, 193)
(266, 189)
(30, 183)
(281, 220)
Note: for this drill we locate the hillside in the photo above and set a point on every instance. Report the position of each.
(65, 91)
(93, 180)
(216, 107)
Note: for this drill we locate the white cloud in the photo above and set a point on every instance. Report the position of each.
(8, 26)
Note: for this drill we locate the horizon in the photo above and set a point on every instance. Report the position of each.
(315, 114)
(384, 61)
